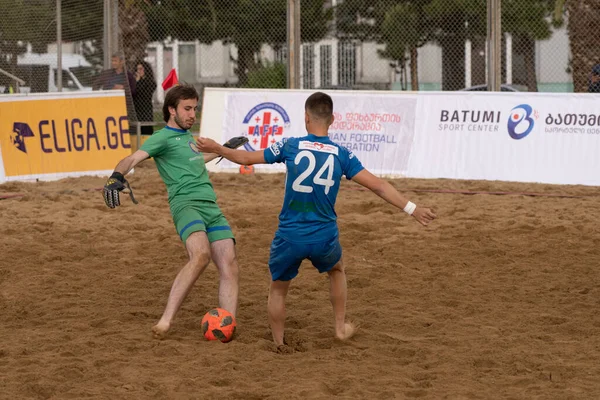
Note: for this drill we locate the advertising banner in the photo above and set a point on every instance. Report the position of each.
(50, 136)
(377, 128)
(521, 137)
(546, 138)
(2, 177)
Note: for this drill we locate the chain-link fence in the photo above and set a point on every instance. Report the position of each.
(25, 33)
(30, 59)
(546, 45)
(441, 45)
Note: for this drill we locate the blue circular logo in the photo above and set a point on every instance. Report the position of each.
(192, 145)
(520, 123)
(264, 125)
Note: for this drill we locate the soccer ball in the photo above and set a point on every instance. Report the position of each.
(218, 324)
(246, 169)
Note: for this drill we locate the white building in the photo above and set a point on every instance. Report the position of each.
(330, 63)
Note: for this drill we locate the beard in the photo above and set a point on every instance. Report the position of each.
(185, 125)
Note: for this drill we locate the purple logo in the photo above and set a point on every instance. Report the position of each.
(21, 130)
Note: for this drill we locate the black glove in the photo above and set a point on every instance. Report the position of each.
(113, 186)
(234, 143)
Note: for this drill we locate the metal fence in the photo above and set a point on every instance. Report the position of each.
(544, 45)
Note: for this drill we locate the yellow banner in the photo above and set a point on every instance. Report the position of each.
(63, 135)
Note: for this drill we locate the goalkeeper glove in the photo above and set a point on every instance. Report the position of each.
(115, 184)
(234, 143)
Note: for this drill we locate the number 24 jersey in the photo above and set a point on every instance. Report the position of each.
(315, 166)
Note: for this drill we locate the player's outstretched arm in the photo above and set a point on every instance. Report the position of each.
(232, 143)
(208, 157)
(129, 162)
(242, 157)
(389, 193)
(117, 182)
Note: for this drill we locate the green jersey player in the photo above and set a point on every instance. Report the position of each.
(198, 219)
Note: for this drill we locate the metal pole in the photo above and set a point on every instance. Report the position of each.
(498, 44)
(59, 82)
(494, 39)
(106, 35)
(509, 59)
(293, 44)
(138, 134)
(11, 76)
(468, 61)
(115, 27)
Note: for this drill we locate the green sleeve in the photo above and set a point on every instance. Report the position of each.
(155, 144)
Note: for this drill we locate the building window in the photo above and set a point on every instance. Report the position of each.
(308, 66)
(281, 54)
(346, 64)
(325, 54)
(187, 62)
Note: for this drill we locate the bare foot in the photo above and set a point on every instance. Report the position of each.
(279, 343)
(159, 331)
(349, 331)
(285, 349)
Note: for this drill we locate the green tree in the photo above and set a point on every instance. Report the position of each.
(186, 19)
(134, 31)
(453, 22)
(270, 76)
(22, 23)
(582, 25)
(247, 23)
(405, 25)
(528, 21)
(404, 30)
(33, 22)
(362, 19)
(83, 22)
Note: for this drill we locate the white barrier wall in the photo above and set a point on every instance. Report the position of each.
(378, 129)
(523, 137)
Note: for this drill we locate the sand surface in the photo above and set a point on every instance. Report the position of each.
(497, 299)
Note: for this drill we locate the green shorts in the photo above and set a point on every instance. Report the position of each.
(205, 216)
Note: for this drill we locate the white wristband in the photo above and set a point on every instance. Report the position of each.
(410, 208)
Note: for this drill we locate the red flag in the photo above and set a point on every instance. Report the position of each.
(170, 80)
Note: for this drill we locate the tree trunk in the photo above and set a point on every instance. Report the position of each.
(583, 25)
(245, 63)
(134, 37)
(453, 62)
(134, 32)
(478, 61)
(528, 48)
(414, 71)
(11, 47)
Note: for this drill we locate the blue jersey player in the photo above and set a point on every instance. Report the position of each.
(307, 222)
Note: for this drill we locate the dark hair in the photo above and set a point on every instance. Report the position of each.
(320, 105)
(148, 73)
(175, 95)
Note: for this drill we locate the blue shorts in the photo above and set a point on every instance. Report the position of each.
(286, 257)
